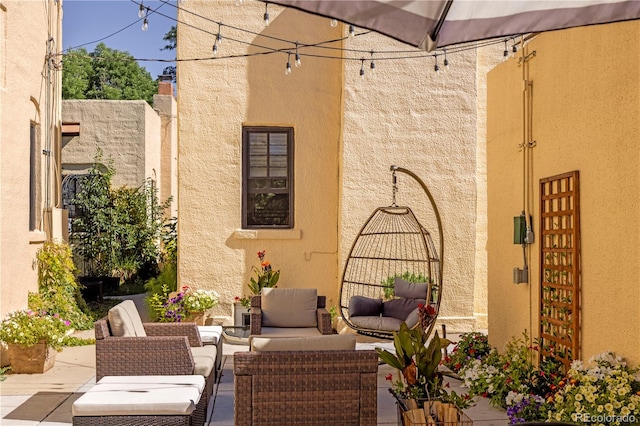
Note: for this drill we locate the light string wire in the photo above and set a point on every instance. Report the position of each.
(381, 55)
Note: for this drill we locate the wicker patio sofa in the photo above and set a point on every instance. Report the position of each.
(127, 347)
(280, 382)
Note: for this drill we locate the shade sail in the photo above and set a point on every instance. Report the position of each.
(432, 24)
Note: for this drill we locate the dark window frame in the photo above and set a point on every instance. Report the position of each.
(248, 191)
(34, 176)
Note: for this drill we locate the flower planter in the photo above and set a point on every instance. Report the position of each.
(31, 359)
(197, 317)
(427, 412)
(241, 316)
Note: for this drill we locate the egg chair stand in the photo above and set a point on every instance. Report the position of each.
(393, 266)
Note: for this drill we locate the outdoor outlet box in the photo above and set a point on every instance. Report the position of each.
(520, 275)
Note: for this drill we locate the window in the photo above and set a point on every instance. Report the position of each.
(267, 170)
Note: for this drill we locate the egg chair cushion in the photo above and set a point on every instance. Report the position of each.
(361, 306)
(400, 308)
(409, 290)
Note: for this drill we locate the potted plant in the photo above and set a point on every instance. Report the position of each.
(265, 277)
(32, 338)
(418, 390)
(188, 305)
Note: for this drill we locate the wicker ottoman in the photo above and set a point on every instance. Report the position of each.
(141, 400)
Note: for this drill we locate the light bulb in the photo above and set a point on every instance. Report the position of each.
(141, 11)
(514, 48)
(506, 51)
(372, 66)
(362, 68)
(288, 70)
(266, 14)
(446, 63)
(219, 38)
(352, 30)
(298, 61)
(436, 68)
(215, 48)
(334, 23)
(145, 24)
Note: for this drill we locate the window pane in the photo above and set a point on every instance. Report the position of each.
(278, 162)
(257, 183)
(258, 172)
(278, 144)
(278, 183)
(278, 172)
(268, 209)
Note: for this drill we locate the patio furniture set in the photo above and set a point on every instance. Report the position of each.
(296, 372)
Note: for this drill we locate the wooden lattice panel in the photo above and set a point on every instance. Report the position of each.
(560, 267)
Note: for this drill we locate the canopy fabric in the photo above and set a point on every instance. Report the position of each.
(432, 24)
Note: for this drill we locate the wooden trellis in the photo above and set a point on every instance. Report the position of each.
(560, 267)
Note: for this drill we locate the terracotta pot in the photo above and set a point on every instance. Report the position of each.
(31, 359)
(197, 317)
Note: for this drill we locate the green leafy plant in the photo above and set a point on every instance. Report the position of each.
(27, 328)
(416, 358)
(58, 287)
(265, 277)
(3, 370)
(411, 277)
(168, 308)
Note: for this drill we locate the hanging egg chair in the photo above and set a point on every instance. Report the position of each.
(393, 267)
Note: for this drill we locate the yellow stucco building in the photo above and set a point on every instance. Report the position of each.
(569, 102)
(30, 80)
(332, 134)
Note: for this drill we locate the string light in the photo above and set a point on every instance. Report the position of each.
(298, 62)
(506, 51)
(372, 65)
(145, 24)
(362, 68)
(266, 14)
(436, 67)
(352, 30)
(446, 60)
(215, 47)
(287, 71)
(514, 48)
(218, 38)
(142, 11)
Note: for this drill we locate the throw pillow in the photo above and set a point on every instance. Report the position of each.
(360, 306)
(400, 308)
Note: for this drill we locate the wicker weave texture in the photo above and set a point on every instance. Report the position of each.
(306, 388)
(132, 421)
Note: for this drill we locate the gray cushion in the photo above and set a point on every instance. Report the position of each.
(125, 321)
(403, 288)
(377, 323)
(289, 307)
(364, 306)
(318, 343)
(400, 308)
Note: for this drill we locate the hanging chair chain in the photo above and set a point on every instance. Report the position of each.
(395, 188)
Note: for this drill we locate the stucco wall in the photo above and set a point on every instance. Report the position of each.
(128, 132)
(216, 98)
(23, 99)
(406, 114)
(167, 108)
(586, 104)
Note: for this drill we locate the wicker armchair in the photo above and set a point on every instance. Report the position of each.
(127, 347)
(290, 312)
(310, 387)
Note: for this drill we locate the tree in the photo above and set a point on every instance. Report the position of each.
(105, 74)
(171, 37)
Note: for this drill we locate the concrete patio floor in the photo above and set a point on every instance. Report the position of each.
(46, 399)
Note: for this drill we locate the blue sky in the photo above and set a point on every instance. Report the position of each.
(85, 21)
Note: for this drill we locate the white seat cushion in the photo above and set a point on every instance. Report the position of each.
(204, 358)
(125, 321)
(210, 334)
(289, 307)
(141, 395)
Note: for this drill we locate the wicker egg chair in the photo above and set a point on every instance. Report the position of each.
(392, 251)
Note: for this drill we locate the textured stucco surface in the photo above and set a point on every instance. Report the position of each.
(585, 117)
(127, 132)
(348, 131)
(23, 100)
